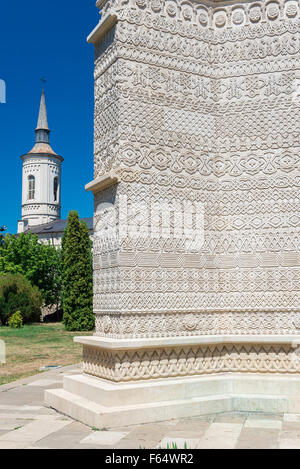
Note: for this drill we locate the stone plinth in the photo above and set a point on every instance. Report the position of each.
(103, 404)
(142, 359)
(133, 381)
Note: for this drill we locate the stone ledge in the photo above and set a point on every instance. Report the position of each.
(129, 344)
(101, 29)
(102, 183)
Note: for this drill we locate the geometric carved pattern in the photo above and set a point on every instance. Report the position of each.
(142, 325)
(122, 366)
(201, 104)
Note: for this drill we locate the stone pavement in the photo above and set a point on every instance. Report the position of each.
(25, 422)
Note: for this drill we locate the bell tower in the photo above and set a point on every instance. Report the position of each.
(196, 215)
(41, 186)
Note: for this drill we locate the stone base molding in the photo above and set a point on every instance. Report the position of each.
(140, 359)
(99, 403)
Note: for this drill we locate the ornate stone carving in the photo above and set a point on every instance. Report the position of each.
(195, 323)
(133, 365)
(198, 102)
(196, 105)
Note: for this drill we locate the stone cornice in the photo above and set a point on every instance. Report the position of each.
(28, 156)
(102, 3)
(199, 16)
(102, 183)
(129, 344)
(102, 28)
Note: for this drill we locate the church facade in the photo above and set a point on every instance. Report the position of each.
(41, 187)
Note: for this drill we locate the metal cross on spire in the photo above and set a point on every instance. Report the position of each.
(44, 81)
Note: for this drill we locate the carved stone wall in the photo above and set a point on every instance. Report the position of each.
(198, 103)
(133, 365)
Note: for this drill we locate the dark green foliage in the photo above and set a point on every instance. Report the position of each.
(39, 263)
(2, 229)
(77, 277)
(17, 294)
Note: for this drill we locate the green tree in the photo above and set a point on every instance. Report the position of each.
(17, 294)
(77, 276)
(39, 263)
(2, 229)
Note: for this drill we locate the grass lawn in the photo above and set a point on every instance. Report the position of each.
(37, 345)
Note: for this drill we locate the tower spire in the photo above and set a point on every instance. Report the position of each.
(42, 129)
(42, 119)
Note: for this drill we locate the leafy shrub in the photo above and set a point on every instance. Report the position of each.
(16, 320)
(17, 294)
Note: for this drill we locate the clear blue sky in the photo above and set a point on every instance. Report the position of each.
(47, 38)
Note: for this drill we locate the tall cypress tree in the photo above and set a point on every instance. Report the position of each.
(77, 278)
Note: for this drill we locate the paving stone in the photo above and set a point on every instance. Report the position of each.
(68, 437)
(104, 438)
(194, 435)
(291, 426)
(131, 444)
(13, 444)
(200, 418)
(11, 424)
(231, 418)
(146, 436)
(290, 435)
(43, 428)
(3, 432)
(148, 429)
(199, 427)
(34, 431)
(220, 436)
(261, 416)
(21, 408)
(25, 416)
(263, 423)
(138, 443)
(289, 444)
(27, 395)
(258, 438)
(169, 423)
(45, 383)
(12, 407)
